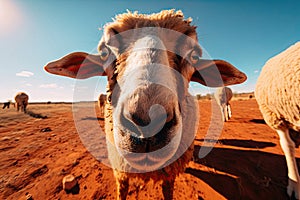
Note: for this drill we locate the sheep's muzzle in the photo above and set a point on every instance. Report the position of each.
(149, 126)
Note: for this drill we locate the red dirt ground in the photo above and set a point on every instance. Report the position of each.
(246, 162)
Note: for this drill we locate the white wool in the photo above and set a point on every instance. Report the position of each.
(277, 89)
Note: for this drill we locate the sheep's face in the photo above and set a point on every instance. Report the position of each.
(149, 62)
(149, 87)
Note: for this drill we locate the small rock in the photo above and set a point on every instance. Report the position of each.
(15, 162)
(69, 182)
(47, 129)
(76, 162)
(5, 138)
(29, 197)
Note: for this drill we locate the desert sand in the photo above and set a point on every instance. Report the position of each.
(38, 149)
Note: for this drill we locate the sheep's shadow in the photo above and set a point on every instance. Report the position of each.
(258, 121)
(243, 143)
(93, 118)
(243, 174)
(74, 190)
(246, 120)
(36, 115)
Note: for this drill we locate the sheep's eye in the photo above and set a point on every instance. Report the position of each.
(194, 57)
(104, 53)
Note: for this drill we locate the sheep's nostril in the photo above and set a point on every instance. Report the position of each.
(140, 121)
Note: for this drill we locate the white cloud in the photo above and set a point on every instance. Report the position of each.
(28, 84)
(256, 71)
(24, 74)
(51, 85)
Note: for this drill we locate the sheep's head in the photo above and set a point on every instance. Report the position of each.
(149, 61)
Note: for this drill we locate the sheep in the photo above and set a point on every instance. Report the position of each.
(223, 95)
(278, 95)
(101, 104)
(21, 99)
(150, 117)
(6, 104)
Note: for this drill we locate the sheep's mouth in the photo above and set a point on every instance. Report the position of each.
(129, 134)
(149, 153)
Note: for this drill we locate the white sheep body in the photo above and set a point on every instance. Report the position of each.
(223, 95)
(278, 91)
(278, 95)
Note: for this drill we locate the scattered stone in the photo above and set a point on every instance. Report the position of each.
(47, 129)
(76, 162)
(69, 182)
(5, 138)
(15, 162)
(29, 196)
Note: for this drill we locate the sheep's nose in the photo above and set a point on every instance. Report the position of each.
(149, 123)
(149, 109)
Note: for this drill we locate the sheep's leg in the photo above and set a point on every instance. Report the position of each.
(122, 188)
(18, 107)
(168, 188)
(288, 147)
(226, 113)
(102, 111)
(222, 112)
(229, 111)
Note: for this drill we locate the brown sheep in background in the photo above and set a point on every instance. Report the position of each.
(21, 99)
(6, 105)
(150, 117)
(101, 104)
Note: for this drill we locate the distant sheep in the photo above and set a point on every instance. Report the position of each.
(223, 95)
(278, 95)
(22, 101)
(150, 117)
(101, 103)
(6, 105)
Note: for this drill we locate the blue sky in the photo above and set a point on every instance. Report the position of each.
(32, 33)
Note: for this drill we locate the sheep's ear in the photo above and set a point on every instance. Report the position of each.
(77, 65)
(217, 73)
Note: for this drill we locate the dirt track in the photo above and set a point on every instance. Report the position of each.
(36, 153)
